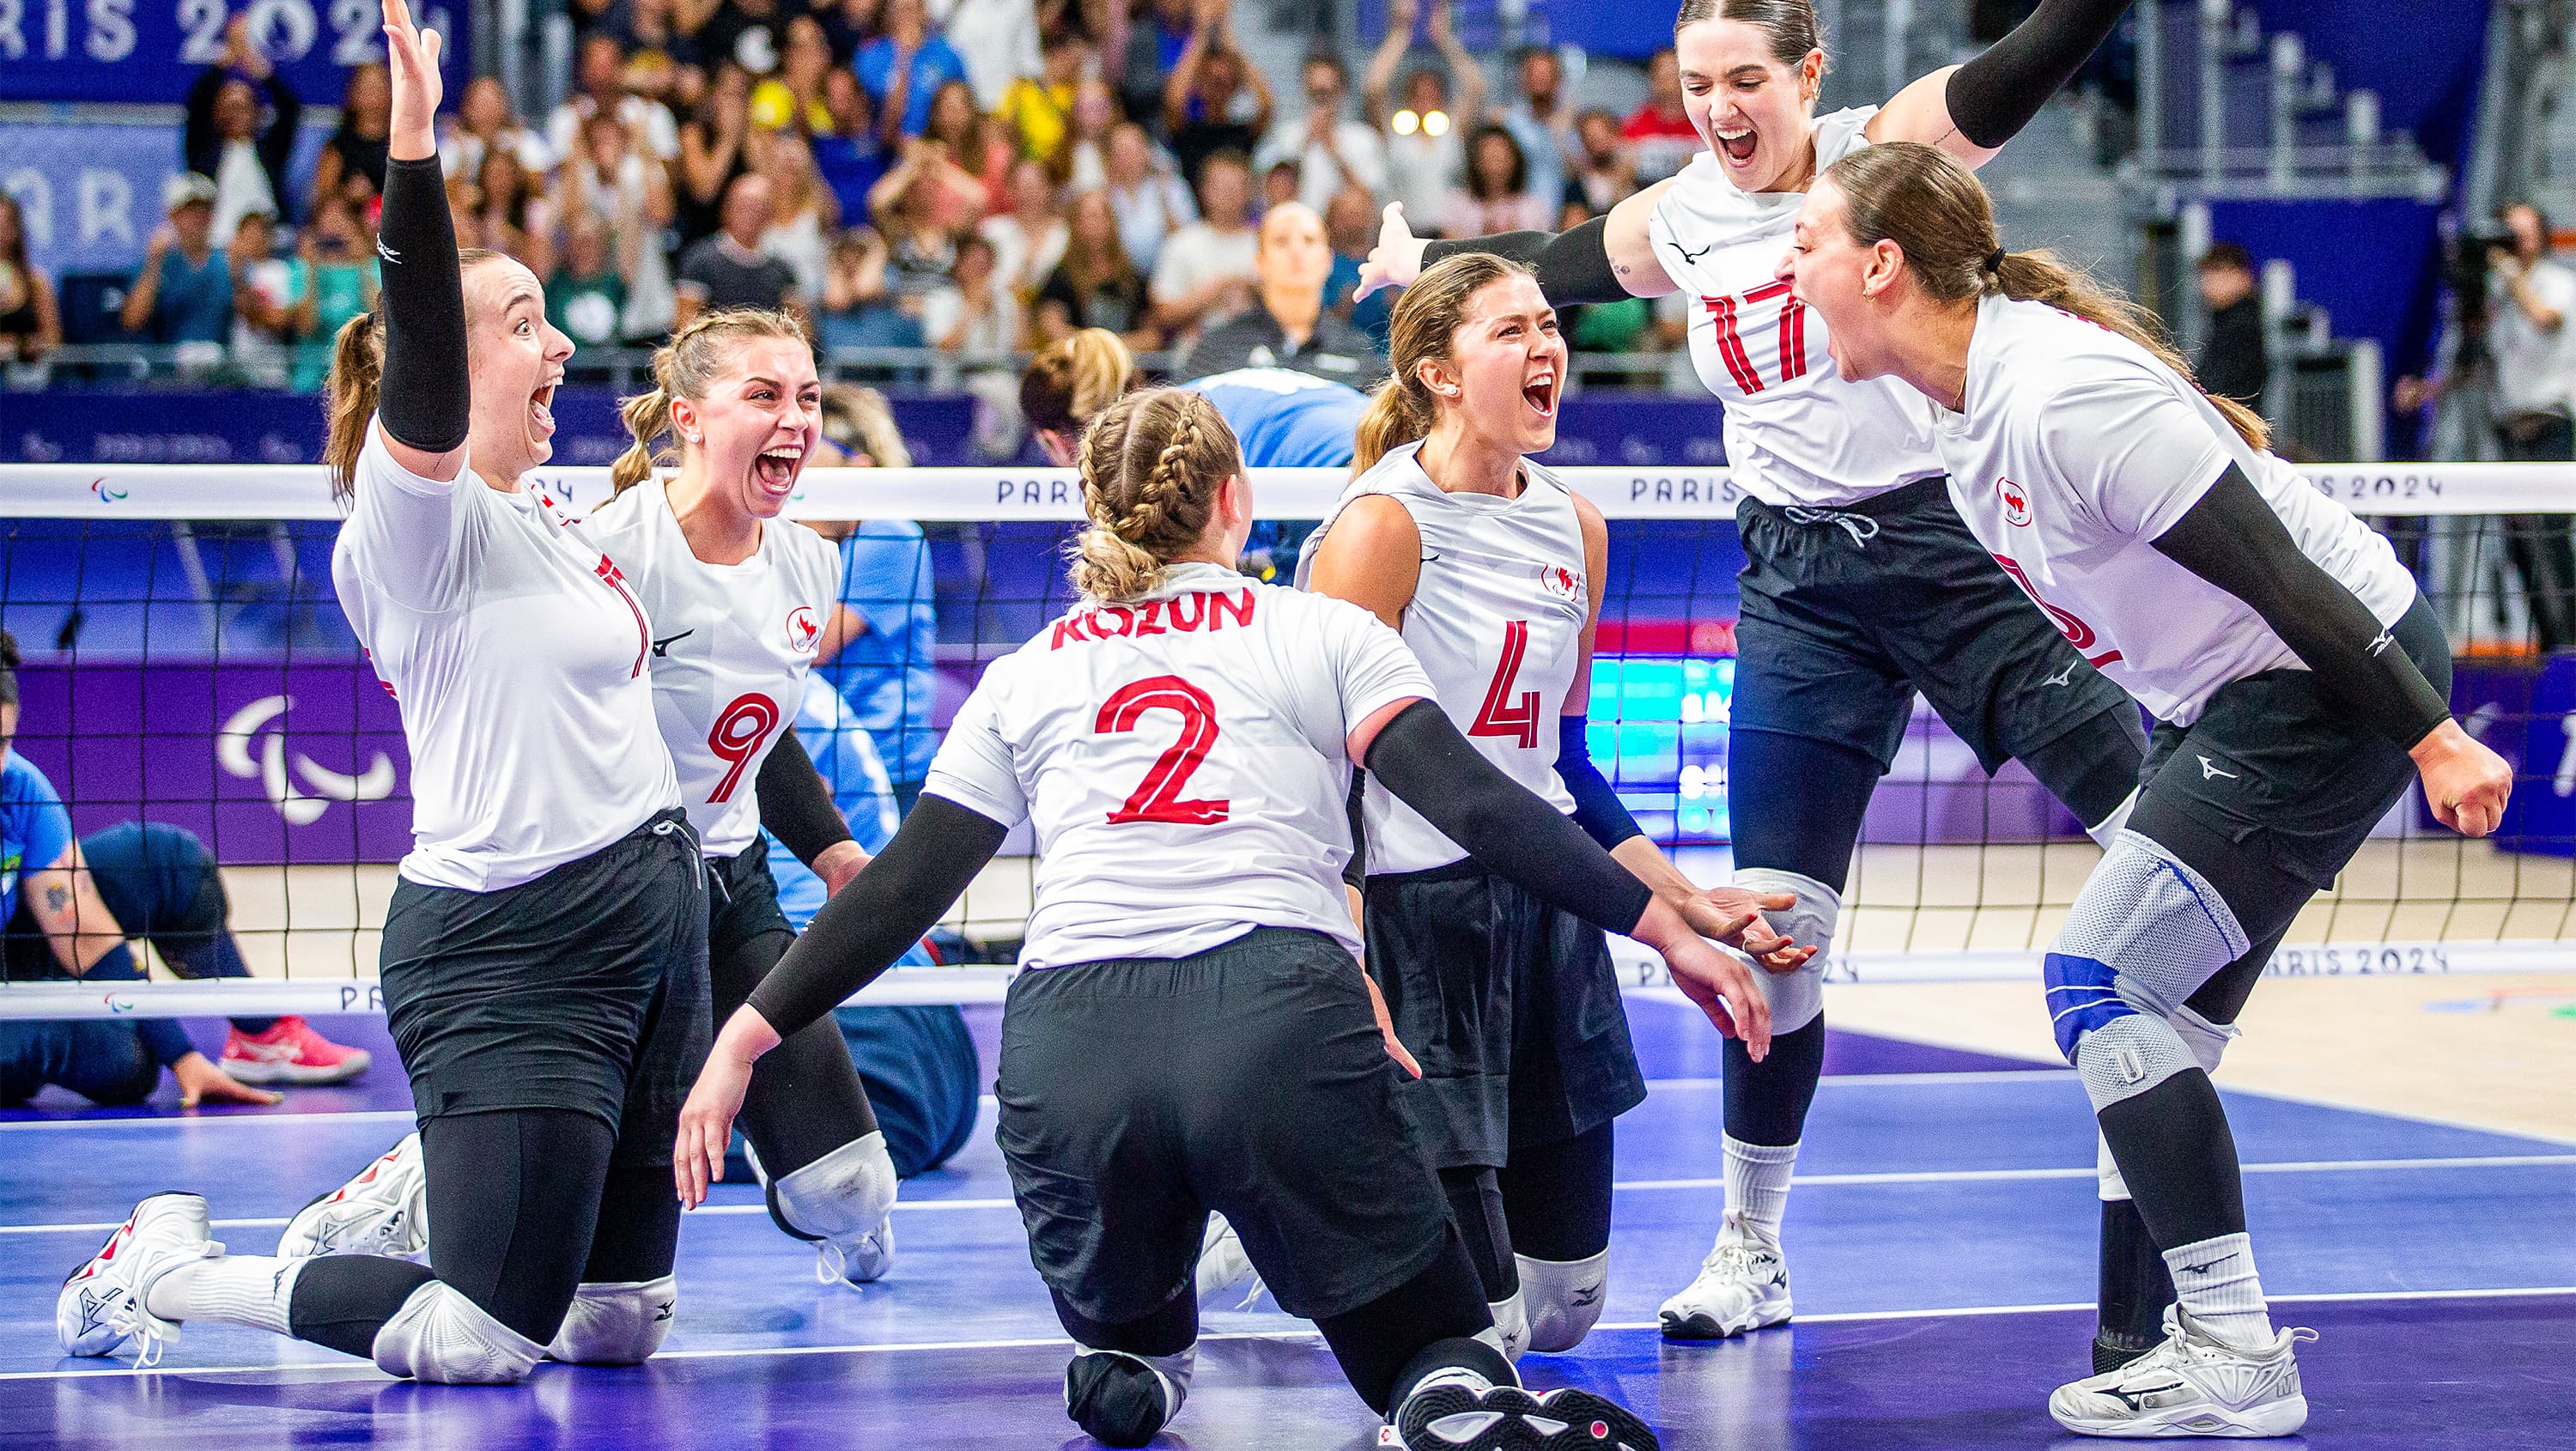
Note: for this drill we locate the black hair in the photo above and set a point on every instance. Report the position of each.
(8, 668)
(2230, 255)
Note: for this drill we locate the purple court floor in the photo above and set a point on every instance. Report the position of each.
(1941, 1241)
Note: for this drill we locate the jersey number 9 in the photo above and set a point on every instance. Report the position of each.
(738, 735)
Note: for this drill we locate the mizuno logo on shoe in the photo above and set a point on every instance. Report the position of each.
(2209, 769)
(2137, 1399)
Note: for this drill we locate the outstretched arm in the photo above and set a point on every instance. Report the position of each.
(1971, 110)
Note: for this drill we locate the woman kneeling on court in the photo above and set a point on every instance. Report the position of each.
(1192, 1032)
(544, 958)
(2299, 680)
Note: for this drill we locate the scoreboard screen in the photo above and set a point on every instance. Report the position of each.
(1658, 731)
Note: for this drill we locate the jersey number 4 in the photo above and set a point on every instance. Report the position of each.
(739, 731)
(1730, 342)
(1501, 715)
(1158, 796)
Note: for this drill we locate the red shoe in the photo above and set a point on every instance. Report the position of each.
(291, 1052)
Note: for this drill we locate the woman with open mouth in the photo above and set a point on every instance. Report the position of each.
(1491, 570)
(1861, 586)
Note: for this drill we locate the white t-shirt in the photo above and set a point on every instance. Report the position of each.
(995, 330)
(1796, 431)
(2078, 449)
(1497, 622)
(731, 647)
(1024, 262)
(1199, 254)
(1182, 759)
(1318, 174)
(563, 128)
(241, 187)
(2535, 371)
(1421, 170)
(517, 654)
(996, 39)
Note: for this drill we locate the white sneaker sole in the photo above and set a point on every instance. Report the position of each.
(1701, 1325)
(2208, 1419)
(301, 1075)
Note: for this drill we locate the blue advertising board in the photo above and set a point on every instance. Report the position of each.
(148, 51)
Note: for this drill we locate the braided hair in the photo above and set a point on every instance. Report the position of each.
(1151, 466)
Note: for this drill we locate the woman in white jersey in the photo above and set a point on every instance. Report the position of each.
(735, 595)
(1860, 586)
(544, 960)
(1492, 571)
(2299, 681)
(1190, 1031)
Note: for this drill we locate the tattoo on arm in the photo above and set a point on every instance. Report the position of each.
(58, 899)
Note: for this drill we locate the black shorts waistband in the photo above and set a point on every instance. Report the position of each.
(1465, 868)
(1903, 499)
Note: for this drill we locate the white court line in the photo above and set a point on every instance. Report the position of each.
(1920, 1176)
(301, 1120)
(347, 1370)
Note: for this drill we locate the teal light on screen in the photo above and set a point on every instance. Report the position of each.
(1658, 731)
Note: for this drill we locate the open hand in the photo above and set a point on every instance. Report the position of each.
(1396, 260)
(1733, 915)
(411, 57)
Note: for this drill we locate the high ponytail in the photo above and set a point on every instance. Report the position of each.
(1426, 317)
(1073, 382)
(357, 370)
(686, 367)
(1938, 214)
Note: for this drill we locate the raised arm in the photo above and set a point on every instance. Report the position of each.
(423, 402)
(1462, 64)
(1971, 110)
(1606, 259)
(1379, 79)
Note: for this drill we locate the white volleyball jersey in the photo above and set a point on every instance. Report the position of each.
(1183, 760)
(1797, 433)
(516, 652)
(2077, 450)
(731, 645)
(1497, 622)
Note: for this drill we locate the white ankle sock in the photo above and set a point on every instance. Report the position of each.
(2216, 1283)
(1757, 1184)
(250, 1290)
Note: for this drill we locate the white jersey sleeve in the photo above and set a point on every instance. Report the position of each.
(407, 534)
(2130, 451)
(973, 767)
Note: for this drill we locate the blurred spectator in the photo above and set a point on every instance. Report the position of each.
(880, 650)
(184, 294)
(649, 32)
(848, 155)
(2530, 299)
(1331, 149)
(804, 215)
(2233, 361)
(1205, 270)
(1543, 122)
(484, 119)
(948, 197)
(1097, 284)
(1426, 155)
(1214, 101)
(1039, 108)
(615, 182)
(1497, 196)
(1605, 171)
(1278, 185)
(998, 41)
(30, 324)
(352, 162)
(904, 68)
(750, 33)
(988, 153)
(586, 298)
(265, 294)
(1660, 137)
(600, 72)
(224, 138)
(850, 25)
(1160, 31)
(727, 269)
(859, 305)
(1146, 193)
(1288, 327)
(975, 313)
(1351, 224)
(1029, 239)
(1084, 161)
(714, 150)
(794, 96)
(337, 264)
(859, 432)
(509, 213)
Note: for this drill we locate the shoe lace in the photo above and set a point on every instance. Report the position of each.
(1735, 1256)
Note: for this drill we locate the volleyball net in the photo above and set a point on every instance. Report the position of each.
(187, 669)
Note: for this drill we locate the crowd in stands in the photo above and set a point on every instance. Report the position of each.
(977, 176)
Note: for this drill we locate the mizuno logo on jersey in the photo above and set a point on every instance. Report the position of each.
(1690, 257)
(1183, 614)
(2062, 677)
(2209, 769)
(662, 647)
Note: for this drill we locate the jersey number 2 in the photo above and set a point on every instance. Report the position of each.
(1730, 343)
(1158, 796)
(1501, 715)
(738, 733)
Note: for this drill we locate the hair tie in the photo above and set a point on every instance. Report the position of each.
(1995, 260)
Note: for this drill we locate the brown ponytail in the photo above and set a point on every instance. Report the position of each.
(686, 367)
(1068, 385)
(1938, 214)
(1151, 465)
(1426, 317)
(357, 367)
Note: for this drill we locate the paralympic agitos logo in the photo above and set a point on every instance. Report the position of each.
(233, 748)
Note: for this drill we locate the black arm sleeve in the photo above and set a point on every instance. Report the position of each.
(1993, 96)
(795, 803)
(1573, 267)
(2233, 539)
(1597, 807)
(1355, 871)
(880, 914)
(1421, 757)
(425, 396)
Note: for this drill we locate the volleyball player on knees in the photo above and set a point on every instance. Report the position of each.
(2299, 680)
(1860, 585)
(1189, 1010)
(544, 966)
(1491, 569)
(735, 595)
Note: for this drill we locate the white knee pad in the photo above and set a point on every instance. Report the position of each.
(1796, 998)
(845, 1192)
(616, 1324)
(1511, 1324)
(2109, 1182)
(442, 1338)
(1564, 1299)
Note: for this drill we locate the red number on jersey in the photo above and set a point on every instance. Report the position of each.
(1730, 343)
(1158, 796)
(1501, 715)
(2069, 624)
(739, 730)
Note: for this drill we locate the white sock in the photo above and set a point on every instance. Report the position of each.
(2216, 1283)
(1757, 1185)
(250, 1290)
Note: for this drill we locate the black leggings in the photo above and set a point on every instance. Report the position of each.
(1551, 1202)
(805, 1098)
(523, 1209)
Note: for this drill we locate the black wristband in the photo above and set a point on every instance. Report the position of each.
(425, 398)
(795, 803)
(1420, 757)
(1573, 267)
(1994, 95)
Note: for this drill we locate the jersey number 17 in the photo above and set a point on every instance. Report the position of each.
(1730, 342)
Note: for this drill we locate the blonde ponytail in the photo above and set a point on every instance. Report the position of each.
(1069, 384)
(1426, 317)
(647, 417)
(1395, 417)
(1151, 466)
(357, 371)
